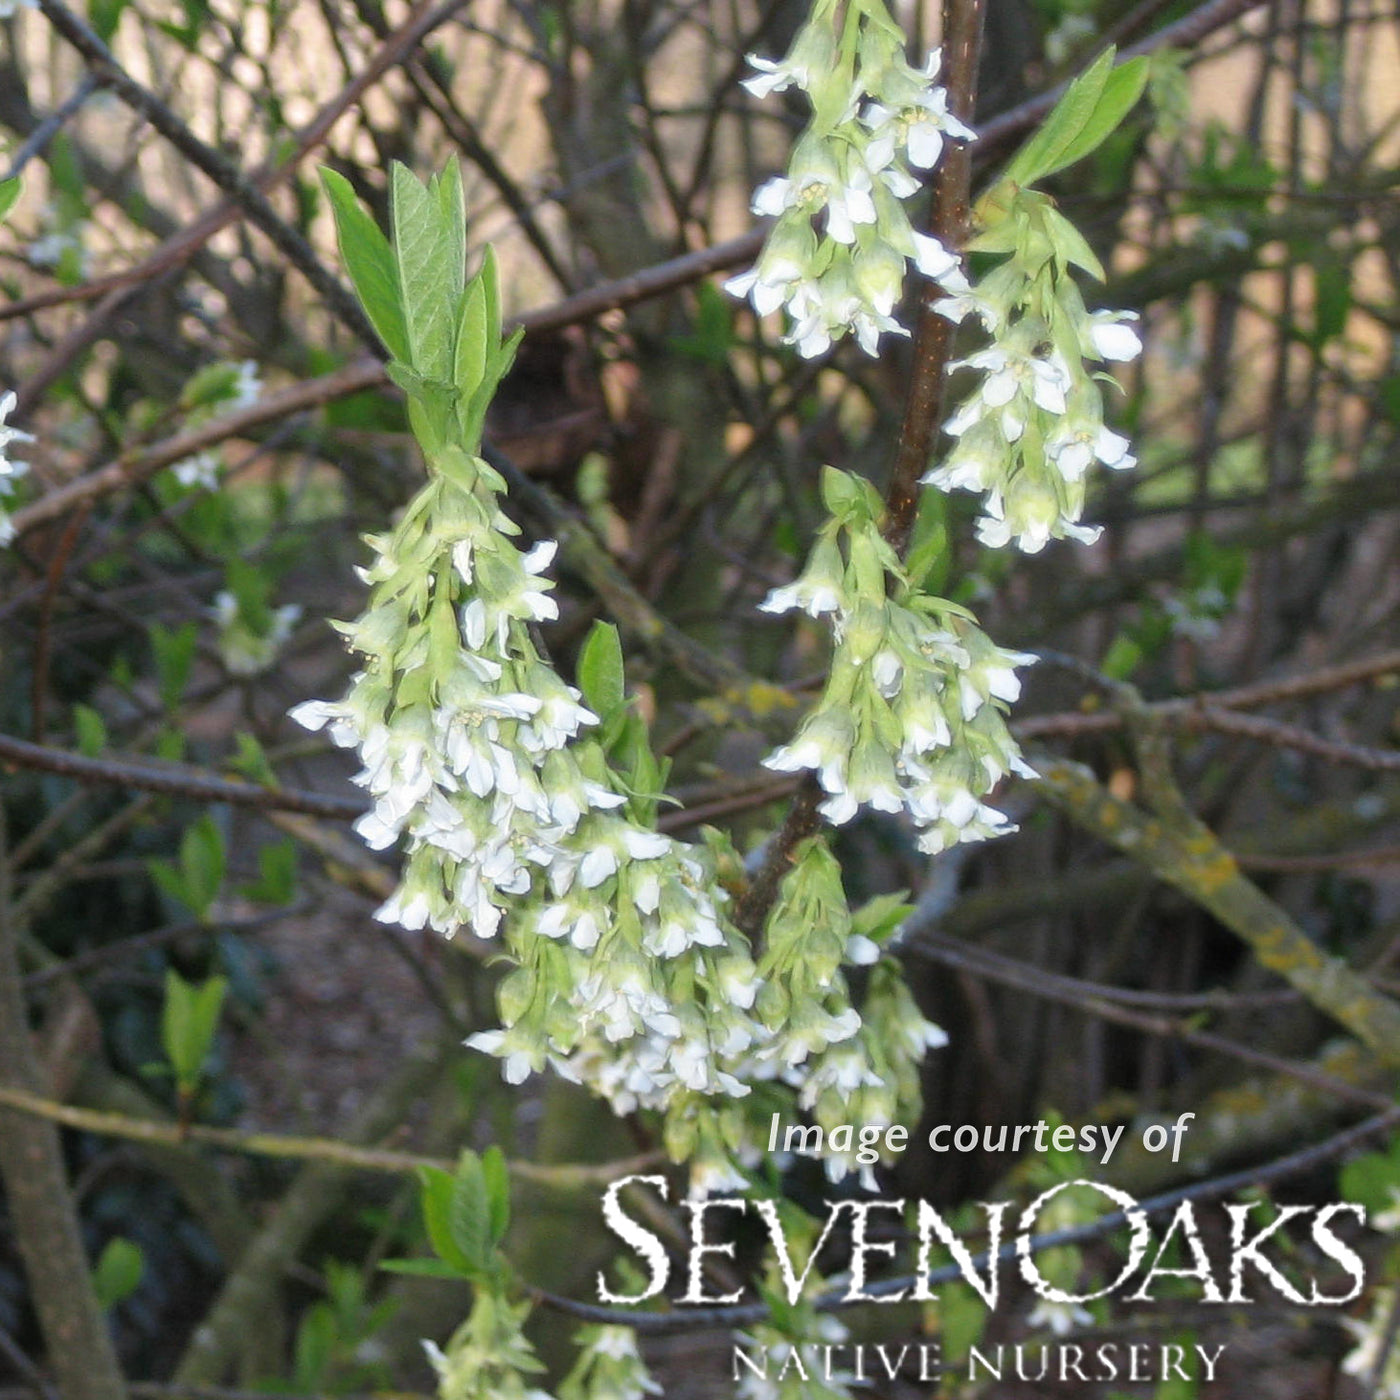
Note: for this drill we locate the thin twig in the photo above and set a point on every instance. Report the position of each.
(1102, 1003)
(178, 780)
(311, 1149)
(233, 182)
(933, 335)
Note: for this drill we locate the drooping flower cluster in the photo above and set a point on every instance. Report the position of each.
(527, 808)
(10, 470)
(488, 1354)
(846, 1066)
(477, 755)
(838, 254)
(1028, 434)
(609, 1367)
(911, 719)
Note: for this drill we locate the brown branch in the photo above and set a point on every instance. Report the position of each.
(1182, 851)
(177, 780)
(1101, 1003)
(933, 335)
(185, 244)
(152, 1132)
(1208, 710)
(242, 190)
(41, 1208)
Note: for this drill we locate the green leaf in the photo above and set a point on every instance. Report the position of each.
(251, 760)
(1070, 245)
(496, 1176)
(601, 676)
(472, 331)
(118, 1272)
(370, 263)
(426, 254)
(90, 731)
(421, 1268)
(446, 189)
(1092, 108)
(189, 1020)
(174, 656)
(1119, 96)
(1071, 114)
(1373, 1180)
(713, 337)
(315, 1347)
(9, 193)
(202, 864)
(213, 384)
(469, 1217)
(929, 552)
(435, 1198)
(277, 874)
(1123, 657)
(251, 586)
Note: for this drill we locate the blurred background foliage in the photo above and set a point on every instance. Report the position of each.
(212, 441)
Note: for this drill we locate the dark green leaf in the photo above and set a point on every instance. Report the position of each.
(90, 730)
(173, 651)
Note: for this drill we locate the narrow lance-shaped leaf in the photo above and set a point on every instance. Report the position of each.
(423, 249)
(1063, 126)
(370, 263)
(1119, 96)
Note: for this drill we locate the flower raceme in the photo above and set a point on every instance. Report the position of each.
(1029, 431)
(10, 470)
(911, 719)
(838, 254)
(478, 756)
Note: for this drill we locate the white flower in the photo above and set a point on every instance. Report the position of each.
(1072, 447)
(200, 470)
(247, 389)
(520, 1061)
(9, 467)
(1112, 338)
(919, 127)
(1060, 1318)
(808, 60)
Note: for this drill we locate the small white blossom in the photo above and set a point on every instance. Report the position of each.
(201, 470)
